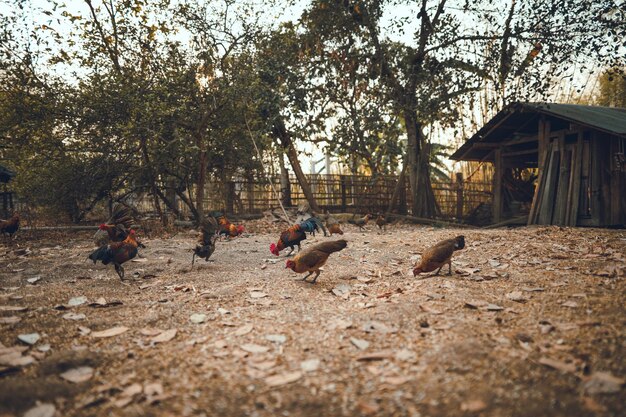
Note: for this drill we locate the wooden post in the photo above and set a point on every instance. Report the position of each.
(459, 196)
(285, 184)
(344, 202)
(574, 189)
(546, 208)
(402, 204)
(250, 192)
(230, 197)
(560, 205)
(497, 186)
(543, 157)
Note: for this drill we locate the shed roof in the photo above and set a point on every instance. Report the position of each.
(517, 116)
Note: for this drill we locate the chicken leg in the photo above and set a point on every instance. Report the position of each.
(308, 275)
(317, 274)
(120, 271)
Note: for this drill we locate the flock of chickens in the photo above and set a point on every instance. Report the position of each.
(117, 242)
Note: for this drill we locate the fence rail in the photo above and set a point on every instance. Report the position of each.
(345, 193)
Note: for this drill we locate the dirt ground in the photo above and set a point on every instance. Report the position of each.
(531, 323)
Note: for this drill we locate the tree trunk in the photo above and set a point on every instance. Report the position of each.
(202, 164)
(285, 186)
(397, 189)
(418, 159)
(280, 131)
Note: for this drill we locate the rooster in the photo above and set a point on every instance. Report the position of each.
(206, 247)
(439, 255)
(381, 222)
(225, 227)
(360, 222)
(312, 224)
(10, 226)
(116, 228)
(312, 259)
(289, 238)
(117, 253)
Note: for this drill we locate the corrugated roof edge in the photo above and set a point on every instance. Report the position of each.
(577, 113)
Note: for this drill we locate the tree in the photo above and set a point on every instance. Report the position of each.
(430, 76)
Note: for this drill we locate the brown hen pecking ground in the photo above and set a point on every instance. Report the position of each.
(532, 322)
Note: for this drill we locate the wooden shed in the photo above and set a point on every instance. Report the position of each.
(575, 153)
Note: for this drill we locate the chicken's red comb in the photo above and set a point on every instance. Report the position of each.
(102, 227)
(241, 229)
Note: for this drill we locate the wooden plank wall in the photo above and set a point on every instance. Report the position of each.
(578, 182)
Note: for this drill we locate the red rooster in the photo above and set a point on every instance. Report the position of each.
(226, 228)
(10, 226)
(289, 238)
(117, 253)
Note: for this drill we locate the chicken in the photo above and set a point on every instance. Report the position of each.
(332, 224)
(226, 228)
(289, 238)
(439, 255)
(312, 224)
(10, 226)
(117, 253)
(116, 228)
(381, 222)
(335, 229)
(114, 233)
(312, 259)
(360, 222)
(206, 247)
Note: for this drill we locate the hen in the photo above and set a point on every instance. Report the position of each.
(206, 247)
(335, 229)
(332, 224)
(439, 255)
(289, 238)
(312, 259)
(117, 253)
(10, 226)
(360, 222)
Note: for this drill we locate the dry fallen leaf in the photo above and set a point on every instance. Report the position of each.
(197, 318)
(113, 331)
(359, 343)
(77, 375)
(252, 348)
(30, 338)
(283, 379)
(473, 406)
(165, 336)
(558, 365)
(257, 294)
(516, 296)
(243, 330)
(603, 383)
(376, 356)
(310, 365)
(41, 410)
